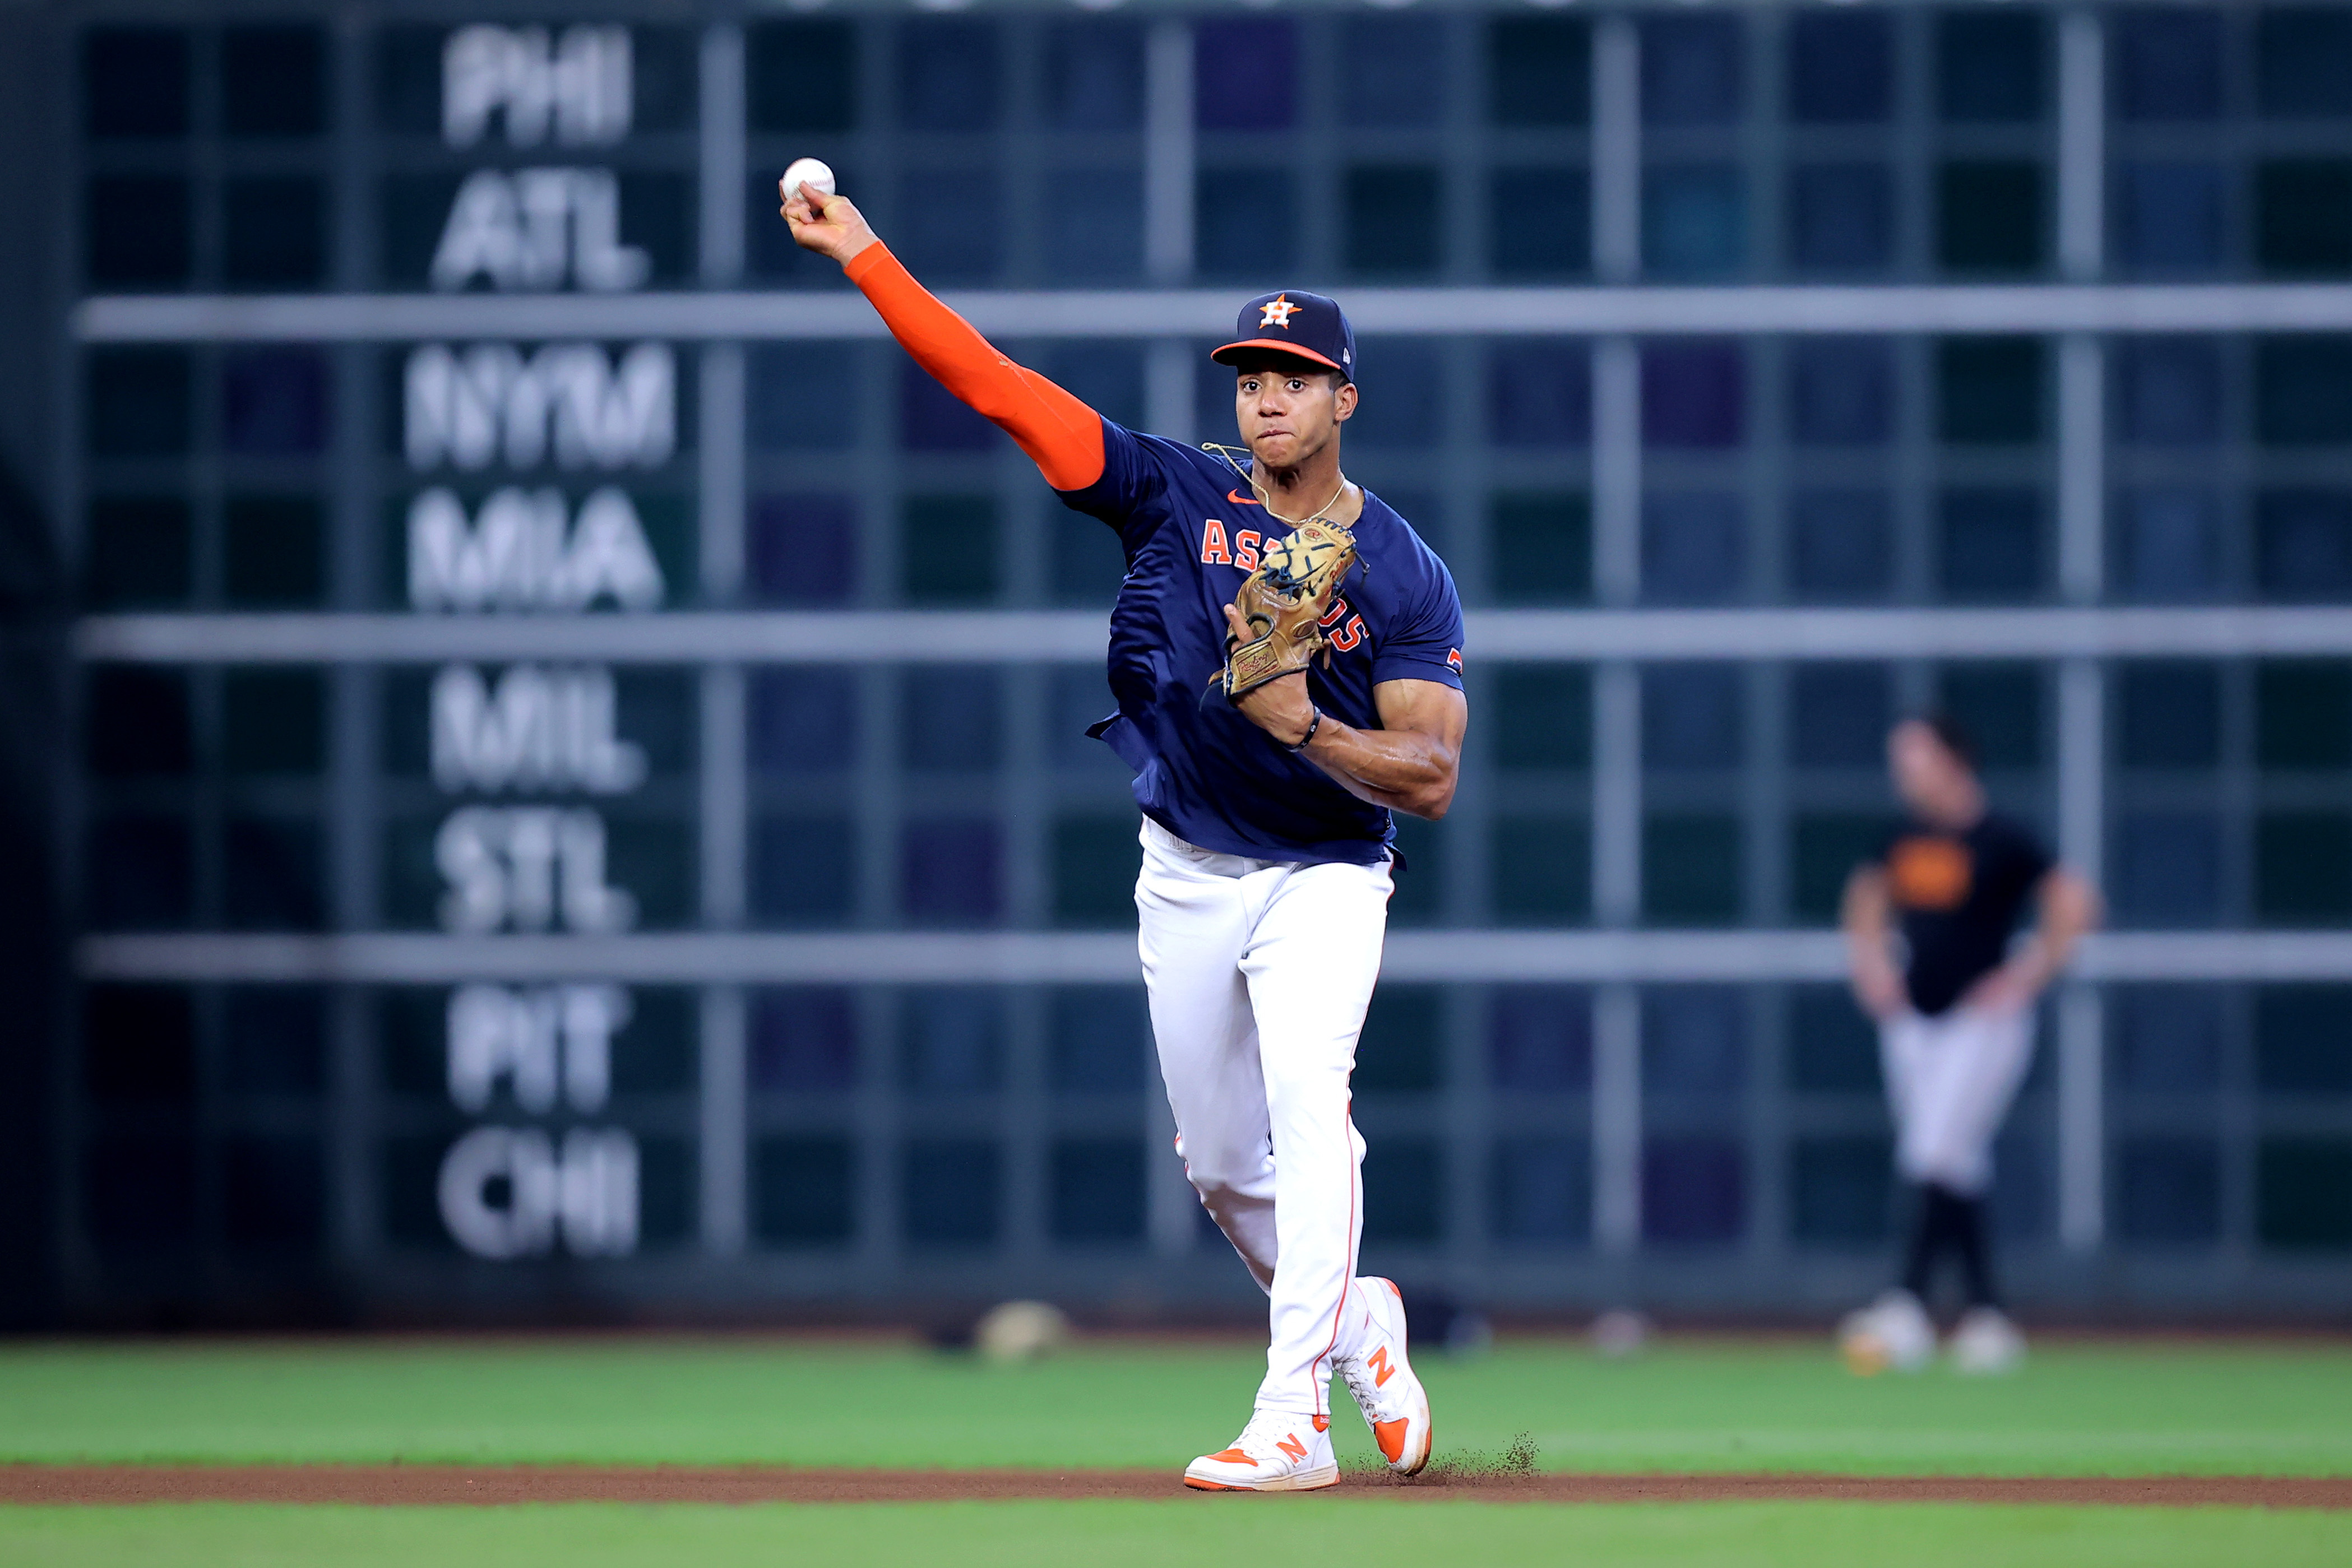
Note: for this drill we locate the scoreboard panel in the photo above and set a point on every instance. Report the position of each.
(580, 802)
(337, 1125)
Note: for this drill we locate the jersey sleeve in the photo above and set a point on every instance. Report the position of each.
(1134, 475)
(1061, 434)
(1426, 642)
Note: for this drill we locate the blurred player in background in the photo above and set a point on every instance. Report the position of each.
(1955, 1026)
(1265, 776)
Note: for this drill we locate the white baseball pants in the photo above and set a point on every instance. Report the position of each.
(1259, 972)
(1949, 1082)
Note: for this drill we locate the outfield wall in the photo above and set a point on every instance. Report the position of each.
(573, 803)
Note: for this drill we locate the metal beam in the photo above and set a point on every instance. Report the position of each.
(1202, 312)
(1108, 956)
(1078, 636)
(1168, 155)
(2082, 579)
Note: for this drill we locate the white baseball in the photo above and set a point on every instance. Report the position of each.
(809, 171)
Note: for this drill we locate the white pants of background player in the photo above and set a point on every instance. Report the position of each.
(1259, 972)
(1949, 1082)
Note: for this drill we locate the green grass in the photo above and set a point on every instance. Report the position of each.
(2275, 1409)
(1180, 1533)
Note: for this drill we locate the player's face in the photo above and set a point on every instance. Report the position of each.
(1929, 778)
(1287, 413)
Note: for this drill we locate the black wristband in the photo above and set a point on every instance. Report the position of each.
(1312, 726)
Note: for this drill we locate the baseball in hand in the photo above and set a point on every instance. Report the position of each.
(810, 172)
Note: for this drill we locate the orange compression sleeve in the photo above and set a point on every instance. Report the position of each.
(1061, 435)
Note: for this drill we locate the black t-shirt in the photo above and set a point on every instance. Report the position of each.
(1960, 895)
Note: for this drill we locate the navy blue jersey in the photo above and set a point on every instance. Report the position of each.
(1191, 532)
(1960, 895)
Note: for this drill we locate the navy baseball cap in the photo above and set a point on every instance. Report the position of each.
(1305, 326)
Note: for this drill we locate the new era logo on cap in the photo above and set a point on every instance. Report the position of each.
(1289, 321)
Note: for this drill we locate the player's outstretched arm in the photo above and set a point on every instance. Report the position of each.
(1061, 434)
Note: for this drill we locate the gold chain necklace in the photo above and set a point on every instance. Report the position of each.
(1266, 496)
(1266, 499)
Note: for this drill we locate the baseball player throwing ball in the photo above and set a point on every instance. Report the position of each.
(1287, 656)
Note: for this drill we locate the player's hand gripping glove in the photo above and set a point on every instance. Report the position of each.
(1284, 603)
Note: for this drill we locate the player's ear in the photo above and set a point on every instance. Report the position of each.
(1343, 401)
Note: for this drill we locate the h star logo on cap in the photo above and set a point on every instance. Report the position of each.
(1278, 313)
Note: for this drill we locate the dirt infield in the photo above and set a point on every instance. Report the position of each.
(441, 1485)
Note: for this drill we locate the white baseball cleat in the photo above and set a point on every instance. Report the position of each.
(1379, 1374)
(1892, 1332)
(1279, 1450)
(1987, 1342)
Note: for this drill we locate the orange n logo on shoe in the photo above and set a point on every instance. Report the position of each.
(1295, 1449)
(1382, 1371)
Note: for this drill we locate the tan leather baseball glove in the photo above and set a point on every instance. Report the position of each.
(1285, 601)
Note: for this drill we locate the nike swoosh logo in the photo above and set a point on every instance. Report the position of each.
(1238, 499)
